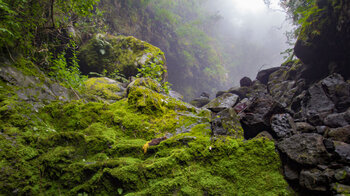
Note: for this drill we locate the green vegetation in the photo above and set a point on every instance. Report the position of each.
(84, 148)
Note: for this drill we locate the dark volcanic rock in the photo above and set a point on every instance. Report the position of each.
(283, 125)
(256, 117)
(200, 102)
(305, 127)
(317, 105)
(226, 100)
(305, 149)
(338, 90)
(313, 179)
(263, 75)
(338, 119)
(290, 173)
(341, 134)
(226, 123)
(343, 151)
(245, 81)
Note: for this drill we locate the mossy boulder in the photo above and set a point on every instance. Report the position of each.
(105, 88)
(121, 53)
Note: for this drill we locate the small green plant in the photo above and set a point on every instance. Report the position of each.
(69, 75)
(155, 70)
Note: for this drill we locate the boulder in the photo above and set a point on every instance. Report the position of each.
(342, 150)
(105, 89)
(314, 180)
(225, 101)
(125, 54)
(245, 81)
(305, 149)
(226, 123)
(317, 105)
(263, 75)
(200, 102)
(338, 90)
(305, 127)
(338, 119)
(283, 125)
(256, 116)
(283, 85)
(341, 134)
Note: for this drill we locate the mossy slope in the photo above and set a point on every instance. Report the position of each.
(96, 148)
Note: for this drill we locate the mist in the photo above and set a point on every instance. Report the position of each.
(253, 35)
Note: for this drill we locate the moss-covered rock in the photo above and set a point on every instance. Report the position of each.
(96, 148)
(105, 88)
(125, 54)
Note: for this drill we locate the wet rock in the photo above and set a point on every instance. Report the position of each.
(282, 84)
(317, 105)
(227, 123)
(343, 151)
(290, 173)
(338, 119)
(341, 134)
(225, 101)
(314, 180)
(200, 102)
(305, 127)
(256, 117)
(263, 75)
(245, 81)
(305, 149)
(283, 125)
(338, 90)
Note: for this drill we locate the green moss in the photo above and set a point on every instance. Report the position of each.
(96, 148)
(104, 88)
(126, 54)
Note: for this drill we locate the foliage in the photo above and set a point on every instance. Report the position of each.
(69, 75)
(155, 70)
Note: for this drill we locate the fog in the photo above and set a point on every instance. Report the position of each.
(253, 33)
